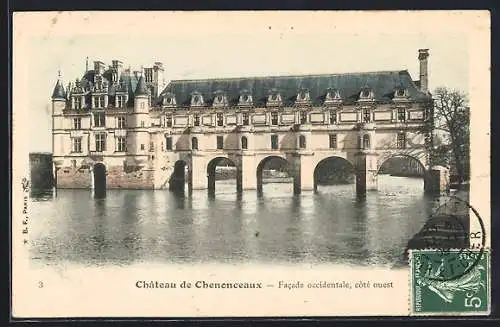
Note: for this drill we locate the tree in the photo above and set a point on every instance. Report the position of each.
(451, 125)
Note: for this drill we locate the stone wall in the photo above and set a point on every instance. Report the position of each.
(116, 178)
(129, 178)
(69, 177)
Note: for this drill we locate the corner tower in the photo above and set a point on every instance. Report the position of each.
(58, 98)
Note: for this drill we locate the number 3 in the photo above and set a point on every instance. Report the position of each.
(40, 284)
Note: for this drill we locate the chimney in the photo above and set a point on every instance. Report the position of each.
(423, 54)
(99, 67)
(118, 68)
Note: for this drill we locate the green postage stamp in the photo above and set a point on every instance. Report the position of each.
(450, 282)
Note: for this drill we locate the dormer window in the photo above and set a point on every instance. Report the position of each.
(400, 92)
(120, 101)
(77, 102)
(169, 100)
(366, 94)
(333, 96)
(303, 96)
(245, 98)
(220, 99)
(196, 99)
(274, 98)
(99, 101)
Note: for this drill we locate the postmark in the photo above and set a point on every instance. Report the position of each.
(451, 275)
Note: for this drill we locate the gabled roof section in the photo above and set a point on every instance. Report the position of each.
(383, 84)
(58, 92)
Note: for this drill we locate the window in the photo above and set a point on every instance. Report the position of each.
(143, 147)
(401, 143)
(99, 101)
(151, 146)
(77, 123)
(121, 144)
(274, 118)
(246, 120)
(99, 119)
(303, 117)
(366, 141)
(194, 143)
(302, 142)
(274, 142)
(142, 123)
(76, 145)
(120, 101)
(220, 142)
(169, 121)
(244, 143)
(168, 145)
(100, 142)
(220, 119)
(333, 141)
(196, 120)
(367, 116)
(333, 117)
(78, 102)
(122, 122)
(401, 114)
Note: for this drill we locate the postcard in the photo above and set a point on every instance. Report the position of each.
(250, 164)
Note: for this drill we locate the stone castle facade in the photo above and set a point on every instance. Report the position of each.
(146, 134)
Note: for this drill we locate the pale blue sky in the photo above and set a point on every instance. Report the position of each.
(229, 52)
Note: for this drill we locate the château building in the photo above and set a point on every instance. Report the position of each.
(130, 130)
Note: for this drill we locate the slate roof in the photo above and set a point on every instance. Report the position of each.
(141, 88)
(382, 83)
(58, 92)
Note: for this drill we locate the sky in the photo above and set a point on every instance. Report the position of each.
(211, 44)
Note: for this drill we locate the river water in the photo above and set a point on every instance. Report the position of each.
(145, 226)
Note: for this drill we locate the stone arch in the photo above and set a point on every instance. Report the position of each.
(99, 180)
(260, 167)
(322, 155)
(212, 163)
(345, 166)
(419, 158)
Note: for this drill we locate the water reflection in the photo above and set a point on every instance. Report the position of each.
(331, 225)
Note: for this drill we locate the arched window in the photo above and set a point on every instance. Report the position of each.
(366, 141)
(194, 143)
(244, 143)
(302, 142)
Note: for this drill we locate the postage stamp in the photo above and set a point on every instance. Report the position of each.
(455, 283)
(169, 163)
